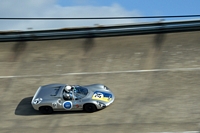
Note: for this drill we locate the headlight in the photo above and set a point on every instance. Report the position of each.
(106, 88)
(37, 100)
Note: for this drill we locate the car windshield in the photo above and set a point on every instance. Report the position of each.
(80, 92)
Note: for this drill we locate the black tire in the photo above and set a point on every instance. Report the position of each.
(89, 107)
(46, 110)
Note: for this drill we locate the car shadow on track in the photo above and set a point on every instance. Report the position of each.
(25, 108)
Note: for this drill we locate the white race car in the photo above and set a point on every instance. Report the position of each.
(90, 98)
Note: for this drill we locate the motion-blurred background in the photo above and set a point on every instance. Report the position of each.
(151, 61)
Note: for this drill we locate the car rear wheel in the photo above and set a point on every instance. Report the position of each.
(46, 110)
(90, 108)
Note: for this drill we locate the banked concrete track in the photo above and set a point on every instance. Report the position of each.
(155, 78)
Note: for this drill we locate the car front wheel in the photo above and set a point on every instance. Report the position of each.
(90, 108)
(46, 110)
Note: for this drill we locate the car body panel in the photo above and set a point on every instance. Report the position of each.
(52, 95)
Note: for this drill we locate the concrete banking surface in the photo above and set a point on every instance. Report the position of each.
(155, 79)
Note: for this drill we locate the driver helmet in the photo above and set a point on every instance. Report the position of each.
(68, 88)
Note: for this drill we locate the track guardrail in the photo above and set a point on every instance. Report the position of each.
(101, 31)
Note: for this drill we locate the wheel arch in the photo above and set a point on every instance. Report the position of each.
(44, 106)
(44, 111)
(90, 103)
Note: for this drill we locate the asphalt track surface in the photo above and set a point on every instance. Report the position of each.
(155, 79)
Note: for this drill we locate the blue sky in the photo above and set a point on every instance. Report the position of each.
(145, 7)
(90, 8)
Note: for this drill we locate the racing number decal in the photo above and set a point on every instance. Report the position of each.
(67, 105)
(55, 104)
(98, 95)
(103, 96)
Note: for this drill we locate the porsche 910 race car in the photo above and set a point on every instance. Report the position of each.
(63, 97)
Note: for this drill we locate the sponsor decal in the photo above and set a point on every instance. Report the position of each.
(67, 105)
(54, 105)
(77, 106)
(102, 96)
